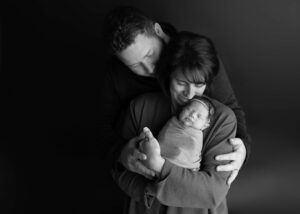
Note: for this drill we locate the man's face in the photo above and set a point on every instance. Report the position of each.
(141, 56)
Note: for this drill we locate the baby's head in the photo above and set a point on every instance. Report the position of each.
(197, 113)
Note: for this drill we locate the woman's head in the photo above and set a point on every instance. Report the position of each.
(192, 65)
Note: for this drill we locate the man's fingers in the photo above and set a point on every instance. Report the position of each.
(133, 141)
(227, 167)
(236, 141)
(139, 155)
(229, 156)
(232, 177)
(139, 137)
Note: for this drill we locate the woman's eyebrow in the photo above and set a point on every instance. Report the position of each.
(180, 79)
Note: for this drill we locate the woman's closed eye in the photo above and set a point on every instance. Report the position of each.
(179, 82)
(199, 85)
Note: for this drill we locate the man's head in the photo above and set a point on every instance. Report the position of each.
(135, 39)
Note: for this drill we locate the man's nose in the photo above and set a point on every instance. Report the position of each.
(149, 68)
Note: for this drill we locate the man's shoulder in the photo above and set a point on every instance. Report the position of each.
(113, 66)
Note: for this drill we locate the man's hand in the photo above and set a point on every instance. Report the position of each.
(236, 157)
(131, 157)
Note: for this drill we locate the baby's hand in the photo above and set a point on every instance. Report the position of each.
(151, 148)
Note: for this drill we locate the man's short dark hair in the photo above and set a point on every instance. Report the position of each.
(123, 24)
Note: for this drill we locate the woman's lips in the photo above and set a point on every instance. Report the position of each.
(184, 99)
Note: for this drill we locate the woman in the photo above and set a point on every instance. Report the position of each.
(175, 189)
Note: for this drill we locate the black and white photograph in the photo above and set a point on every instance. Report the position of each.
(150, 107)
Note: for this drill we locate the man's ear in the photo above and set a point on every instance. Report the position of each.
(158, 30)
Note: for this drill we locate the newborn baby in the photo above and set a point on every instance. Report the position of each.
(181, 139)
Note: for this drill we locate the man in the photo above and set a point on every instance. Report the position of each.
(137, 44)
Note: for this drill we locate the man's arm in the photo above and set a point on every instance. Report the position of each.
(222, 91)
(109, 112)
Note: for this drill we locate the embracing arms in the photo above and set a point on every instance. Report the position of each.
(202, 189)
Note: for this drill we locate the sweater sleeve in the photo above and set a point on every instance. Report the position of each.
(206, 188)
(221, 90)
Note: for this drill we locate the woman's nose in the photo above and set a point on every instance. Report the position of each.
(190, 92)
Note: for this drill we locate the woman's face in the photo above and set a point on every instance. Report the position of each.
(182, 90)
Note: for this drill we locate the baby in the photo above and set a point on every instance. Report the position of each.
(181, 139)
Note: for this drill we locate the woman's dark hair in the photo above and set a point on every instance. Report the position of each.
(123, 24)
(194, 55)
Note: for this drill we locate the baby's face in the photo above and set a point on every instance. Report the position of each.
(195, 115)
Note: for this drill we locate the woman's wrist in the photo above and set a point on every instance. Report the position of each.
(160, 165)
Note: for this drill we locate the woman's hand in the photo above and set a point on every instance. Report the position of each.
(236, 157)
(151, 148)
(131, 158)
